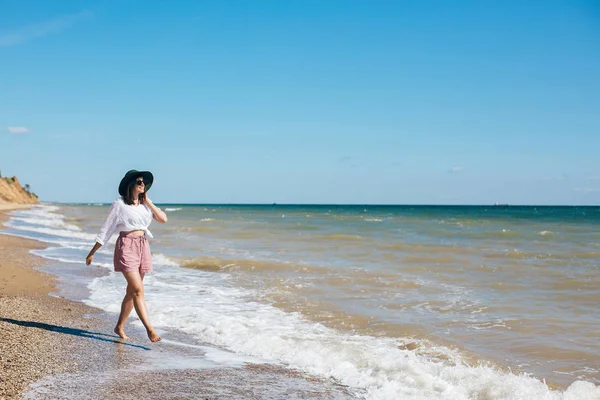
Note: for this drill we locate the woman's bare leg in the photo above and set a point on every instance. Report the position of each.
(135, 289)
(126, 307)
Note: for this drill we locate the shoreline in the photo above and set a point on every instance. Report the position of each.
(32, 346)
(107, 368)
(52, 346)
(5, 207)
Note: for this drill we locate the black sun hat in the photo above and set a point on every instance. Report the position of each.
(131, 175)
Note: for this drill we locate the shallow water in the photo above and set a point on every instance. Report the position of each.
(431, 302)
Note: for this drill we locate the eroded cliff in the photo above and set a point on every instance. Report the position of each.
(11, 191)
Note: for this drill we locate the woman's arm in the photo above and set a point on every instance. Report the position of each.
(110, 225)
(105, 232)
(157, 213)
(90, 257)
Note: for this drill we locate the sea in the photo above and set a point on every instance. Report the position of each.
(396, 302)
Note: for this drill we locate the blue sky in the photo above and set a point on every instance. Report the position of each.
(402, 102)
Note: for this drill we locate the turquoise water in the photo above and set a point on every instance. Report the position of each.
(511, 287)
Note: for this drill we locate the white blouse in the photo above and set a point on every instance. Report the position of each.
(124, 218)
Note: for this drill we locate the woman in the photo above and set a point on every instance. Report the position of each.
(131, 215)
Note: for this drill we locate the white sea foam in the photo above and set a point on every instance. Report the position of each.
(169, 209)
(161, 259)
(44, 220)
(68, 260)
(205, 305)
(53, 232)
(50, 222)
(42, 209)
(69, 243)
(38, 212)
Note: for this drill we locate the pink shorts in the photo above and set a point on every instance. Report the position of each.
(132, 253)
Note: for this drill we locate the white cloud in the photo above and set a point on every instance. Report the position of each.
(18, 129)
(456, 170)
(27, 33)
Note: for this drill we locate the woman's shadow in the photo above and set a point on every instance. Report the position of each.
(73, 331)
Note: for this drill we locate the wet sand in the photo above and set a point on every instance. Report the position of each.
(31, 346)
(52, 347)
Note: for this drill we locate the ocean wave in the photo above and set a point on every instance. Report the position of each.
(49, 222)
(161, 259)
(383, 367)
(169, 209)
(203, 228)
(70, 260)
(340, 236)
(215, 264)
(301, 227)
(65, 233)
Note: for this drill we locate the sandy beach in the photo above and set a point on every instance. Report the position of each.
(53, 347)
(11, 206)
(31, 347)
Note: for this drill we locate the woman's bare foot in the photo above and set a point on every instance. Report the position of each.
(153, 336)
(121, 332)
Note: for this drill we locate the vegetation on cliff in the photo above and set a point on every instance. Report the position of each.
(11, 191)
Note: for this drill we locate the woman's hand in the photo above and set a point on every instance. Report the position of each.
(90, 256)
(158, 214)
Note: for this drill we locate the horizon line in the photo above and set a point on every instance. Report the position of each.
(499, 205)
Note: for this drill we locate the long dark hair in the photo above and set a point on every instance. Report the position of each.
(128, 198)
